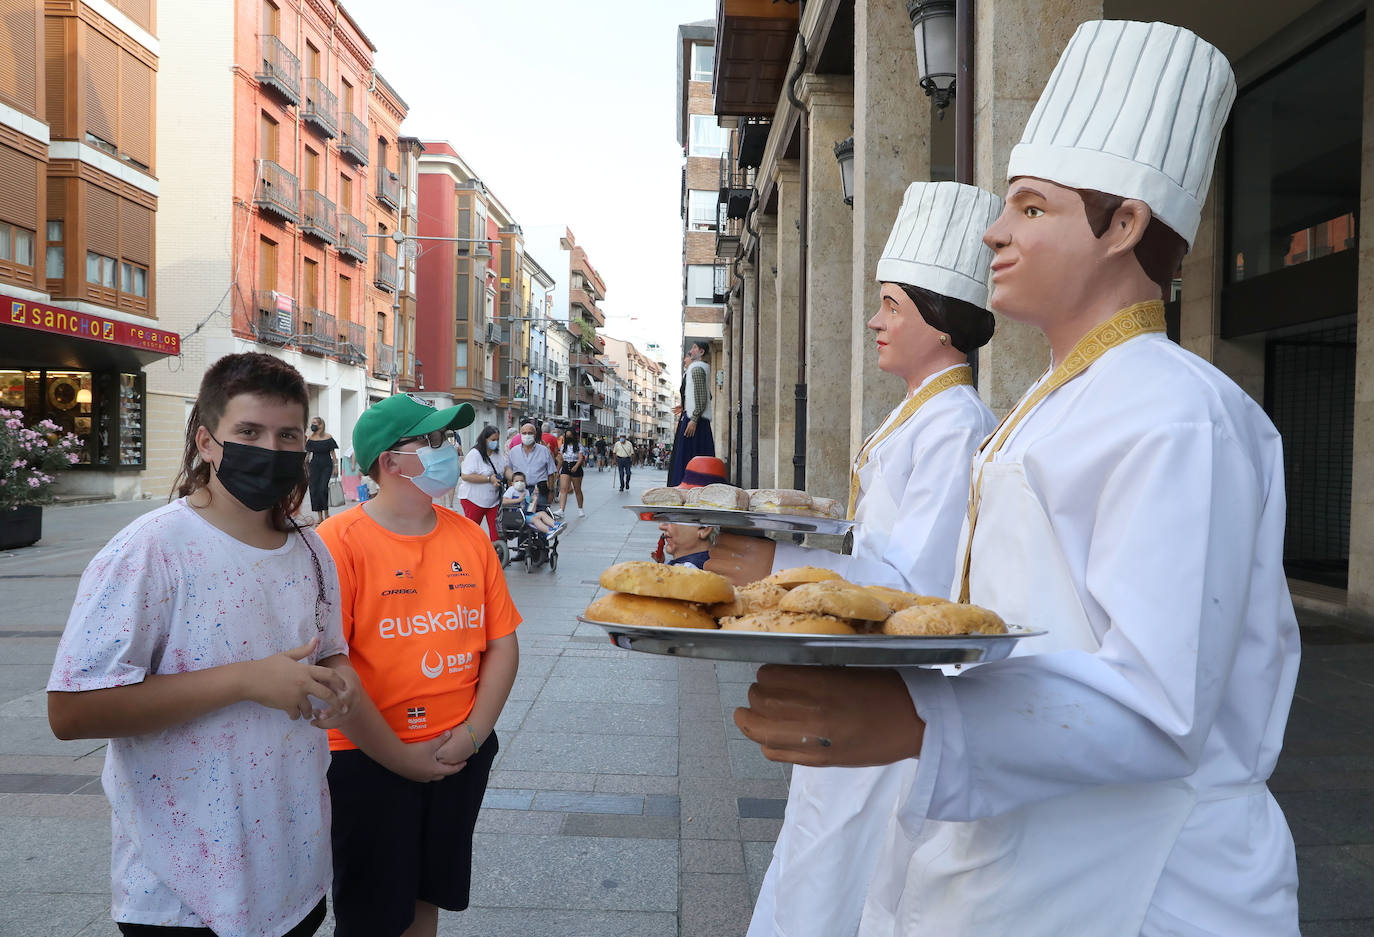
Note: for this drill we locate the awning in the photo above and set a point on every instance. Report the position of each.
(38, 335)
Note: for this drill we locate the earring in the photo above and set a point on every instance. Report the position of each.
(944, 339)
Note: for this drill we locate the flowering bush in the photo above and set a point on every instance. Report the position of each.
(30, 459)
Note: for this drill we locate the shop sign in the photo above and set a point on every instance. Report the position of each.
(45, 318)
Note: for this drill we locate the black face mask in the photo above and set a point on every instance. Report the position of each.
(258, 477)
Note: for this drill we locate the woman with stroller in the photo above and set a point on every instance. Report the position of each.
(479, 488)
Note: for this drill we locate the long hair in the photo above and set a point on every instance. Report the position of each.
(488, 432)
(248, 373)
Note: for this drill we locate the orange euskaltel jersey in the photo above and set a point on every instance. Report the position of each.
(417, 614)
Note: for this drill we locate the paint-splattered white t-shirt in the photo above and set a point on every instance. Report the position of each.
(222, 821)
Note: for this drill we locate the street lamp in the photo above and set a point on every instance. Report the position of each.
(932, 21)
(844, 155)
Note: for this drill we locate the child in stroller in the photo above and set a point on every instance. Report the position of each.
(528, 530)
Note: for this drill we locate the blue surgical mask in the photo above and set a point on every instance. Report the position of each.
(441, 470)
(491, 445)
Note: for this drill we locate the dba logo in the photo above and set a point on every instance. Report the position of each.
(432, 670)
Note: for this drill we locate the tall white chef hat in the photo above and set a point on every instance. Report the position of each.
(1134, 110)
(937, 241)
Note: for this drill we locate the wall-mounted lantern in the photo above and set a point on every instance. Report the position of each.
(932, 21)
(844, 155)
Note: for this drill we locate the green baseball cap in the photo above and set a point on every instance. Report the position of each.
(396, 418)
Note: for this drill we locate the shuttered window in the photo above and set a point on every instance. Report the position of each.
(136, 114)
(18, 188)
(18, 66)
(101, 84)
(345, 300)
(102, 214)
(140, 11)
(136, 232)
(55, 85)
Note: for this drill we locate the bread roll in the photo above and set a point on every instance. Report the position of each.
(686, 583)
(722, 497)
(691, 497)
(779, 622)
(780, 501)
(841, 599)
(944, 619)
(829, 507)
(666, 497)
(755, 597)
(899, 599)
(622, 609)
(787, 578)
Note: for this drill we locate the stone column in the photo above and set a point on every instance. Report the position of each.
(829, 296)
(748, 314)
(786, 276)
(770, 381)
(891, 150)
(1360, 590)
(1016, 46)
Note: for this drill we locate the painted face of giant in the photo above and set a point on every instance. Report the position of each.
(1044, 252)
(904, 338)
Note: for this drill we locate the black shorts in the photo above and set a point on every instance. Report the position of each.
(398, 841)
(306, 928)
(571, 472)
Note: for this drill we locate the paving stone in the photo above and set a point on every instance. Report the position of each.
(708, 827)
(714, 904)
(1333, 882)
(581, 802)
(662, 805)
(639, 667)
(539, 922)
(42, 783)
(1328, 818)
(757, 857)
(526, 687)
(33, 736)
(55, 853)
(544, 780)
(53, 914)
(620, 825)
(714, 856)
(575, 872)
(518, 822)
(597, 689)
(1348, 928)
(592, 716)
(512, 715)
(730, 671)
(757, 830)
(770, 808)
(636, 784)
(747, 761)
(614, 754)
(497, 798)
(706, 765)
(51, 764)
(537, 665)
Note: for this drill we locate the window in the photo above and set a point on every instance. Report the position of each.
(100, 143)
(310, 283)
(703, 209)
(267, 137)
(312, 60)
(345, 299)
(133, 279)
(707, 138)
(345, 194)
(310, 178)
(701, 279)
(271, 19)
(703, 61)
(381, 155)
(460, 364)
(56, 255)
(100, 270)
(23, 247)
(346, 95)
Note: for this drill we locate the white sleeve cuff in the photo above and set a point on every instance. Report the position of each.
(941, 747)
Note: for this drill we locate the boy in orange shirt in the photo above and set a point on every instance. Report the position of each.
(430, 627)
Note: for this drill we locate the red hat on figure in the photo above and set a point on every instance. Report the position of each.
(703, 470)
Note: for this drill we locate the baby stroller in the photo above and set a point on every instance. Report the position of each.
(520, 541)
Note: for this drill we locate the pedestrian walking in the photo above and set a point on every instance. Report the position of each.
(574, 458)
(693, 435)
(623, 452)
(323, 454)
(431, 630)
(600, 453)
(199, 635)
(481, 480)
(533, 459)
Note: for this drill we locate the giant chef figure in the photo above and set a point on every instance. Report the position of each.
(1111, 780)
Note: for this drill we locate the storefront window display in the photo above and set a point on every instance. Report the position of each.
(104, 410)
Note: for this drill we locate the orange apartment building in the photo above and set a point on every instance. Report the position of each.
(78, 202)
(285, 187)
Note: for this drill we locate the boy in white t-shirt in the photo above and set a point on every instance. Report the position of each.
(205, 643)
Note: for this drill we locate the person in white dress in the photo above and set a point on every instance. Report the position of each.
(1108, 779)
(908, 495)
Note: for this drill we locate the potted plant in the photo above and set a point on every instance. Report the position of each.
(30, 459)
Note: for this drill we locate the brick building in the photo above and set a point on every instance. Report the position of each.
(283, 165)
(78, 203)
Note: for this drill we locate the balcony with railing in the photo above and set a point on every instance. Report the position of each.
(384, 274)
(352, 342)
(583, 298)
(279, 69)
(278, 192)
(352, 238)
(321, 108)
(720, 283)
(274, 317)
(491, 390)
(385, 360)
(353, 139)
(318, 218)
(388, 188)
(319, 333)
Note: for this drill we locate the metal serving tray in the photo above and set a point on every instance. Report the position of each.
(740, 520)
(834, 650)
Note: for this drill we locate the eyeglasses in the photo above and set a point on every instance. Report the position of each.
(434, 440)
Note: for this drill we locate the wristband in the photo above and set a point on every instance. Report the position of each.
(472, 735)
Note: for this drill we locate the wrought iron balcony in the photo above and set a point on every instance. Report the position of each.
(278, 192)
(385, 360)
(388, 188)
(352, 342)
(321, 108)
(384, 276)
(353, 139)
(352, 238)
(318, 218)
(275, 318)
(279, 70)
(491, 390)
(319, 333)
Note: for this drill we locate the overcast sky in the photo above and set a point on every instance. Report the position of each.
(565, 109)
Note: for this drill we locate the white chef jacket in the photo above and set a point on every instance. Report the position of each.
(1162, 484)
(912, 499)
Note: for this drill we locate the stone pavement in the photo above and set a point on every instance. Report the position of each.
(624, 801)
